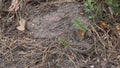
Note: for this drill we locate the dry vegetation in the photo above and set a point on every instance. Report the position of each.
(18, 49)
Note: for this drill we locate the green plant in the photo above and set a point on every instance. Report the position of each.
(62, 42)
(0, 5)
(80, 25)
(95, 8)
(66, 44)
(114, 5)
(90, 8)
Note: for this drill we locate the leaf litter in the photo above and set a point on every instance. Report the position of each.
(27, 51)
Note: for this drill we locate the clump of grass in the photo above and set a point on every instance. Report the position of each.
(89, 4)
(80, 25)
(66, 44)
(98, 8)
(114, 5)
(63, 42)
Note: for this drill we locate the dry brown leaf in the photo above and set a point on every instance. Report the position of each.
(22, 24)
(117, 28)
(14, 6)
(81, 33)
(104, 24)
(82, 13)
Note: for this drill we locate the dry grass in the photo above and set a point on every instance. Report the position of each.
(18, 49)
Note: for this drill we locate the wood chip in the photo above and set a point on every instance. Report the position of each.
(22, 25)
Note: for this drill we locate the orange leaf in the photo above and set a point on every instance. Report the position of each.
(103, 24)
(81, 33)
(22, 25)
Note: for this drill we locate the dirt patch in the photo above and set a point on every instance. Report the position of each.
(59, 24)
(52, 24)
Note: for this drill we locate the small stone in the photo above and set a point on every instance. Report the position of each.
(92, 66)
